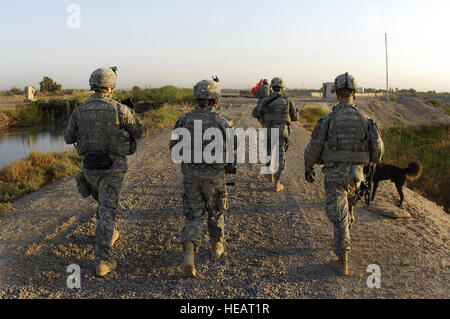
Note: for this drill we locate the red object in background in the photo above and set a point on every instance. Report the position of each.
(257, 87)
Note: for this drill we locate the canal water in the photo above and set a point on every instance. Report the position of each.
(18, 144)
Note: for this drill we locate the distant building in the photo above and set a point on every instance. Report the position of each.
(327, 95)
(361, 90)
(29, 94)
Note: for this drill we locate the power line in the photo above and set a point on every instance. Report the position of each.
(387, 68)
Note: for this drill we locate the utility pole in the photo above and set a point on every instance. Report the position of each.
(387, 69)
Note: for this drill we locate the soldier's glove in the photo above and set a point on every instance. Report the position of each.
(309, 176)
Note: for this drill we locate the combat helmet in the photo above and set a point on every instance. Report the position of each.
(103, 78)
(345, 81)
(277, 82)
(206, 90)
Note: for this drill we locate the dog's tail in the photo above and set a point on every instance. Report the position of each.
(413, 171)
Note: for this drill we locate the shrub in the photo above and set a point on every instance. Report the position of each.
(431, 146)
(16, 172)
(310, 115)
(15, 90)
(158, 97)
(436, 103)
(30, 174)
(163, 117)
(48, 85)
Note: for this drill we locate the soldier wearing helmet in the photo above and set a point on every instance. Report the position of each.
(103, 131)
(262, 92)
(277, 111)
(344, 141)
(205, 191)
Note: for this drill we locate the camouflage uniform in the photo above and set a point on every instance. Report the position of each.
(204, 186)
(278, 111)
(101, 125)
(262, 92)
(344, 141)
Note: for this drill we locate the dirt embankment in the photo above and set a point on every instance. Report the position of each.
(406, 111)
(278, 245)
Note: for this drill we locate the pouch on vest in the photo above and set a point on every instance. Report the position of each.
(82, 185)
(97, 161)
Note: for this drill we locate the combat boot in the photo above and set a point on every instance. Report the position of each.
(102, 268)
(341, 266)
(115, 236)
(188, 262)
(270, 178)
(278, 186)
(216, 250)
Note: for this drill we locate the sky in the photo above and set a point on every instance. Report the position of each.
(156, 43)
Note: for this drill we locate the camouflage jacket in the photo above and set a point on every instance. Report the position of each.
(214, 120)
(346, 135)
(103, 125)
(276, 109)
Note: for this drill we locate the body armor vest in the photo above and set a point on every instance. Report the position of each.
(208, 120)
(99, 129)
(277, 111)
(348, 137)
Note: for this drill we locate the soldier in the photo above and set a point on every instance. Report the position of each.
(204, 184)
(262, 92)
(278, 111)
(344, 141)
(104, 132)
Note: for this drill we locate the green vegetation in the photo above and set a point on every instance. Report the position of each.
(158, 97)
(15, 91)
(310, 115)
(429, 145)
(48, 85)
(52, 111)
(163, 117)
(393, 98)
(437, 103)
(29, 174)
(38, 169)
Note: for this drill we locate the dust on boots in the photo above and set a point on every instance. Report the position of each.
(341, 265)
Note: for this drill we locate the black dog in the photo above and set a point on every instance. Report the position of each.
(397, 175)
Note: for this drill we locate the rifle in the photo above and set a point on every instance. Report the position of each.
(366, 188)
(129, 102)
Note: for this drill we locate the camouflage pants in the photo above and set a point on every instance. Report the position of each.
(283, 145)
(341, 184)
(105, 187)
(204, 195)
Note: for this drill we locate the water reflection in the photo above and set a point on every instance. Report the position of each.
(18, 144)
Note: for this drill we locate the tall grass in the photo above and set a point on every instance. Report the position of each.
(52, 111)
(38, 169)
(437, 103)
(431, 146)
(158, 97)
(309, 116)
(163, 117)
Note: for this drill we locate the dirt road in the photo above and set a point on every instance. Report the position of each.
(278, 245)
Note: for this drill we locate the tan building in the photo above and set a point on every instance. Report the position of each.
(29, 94)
